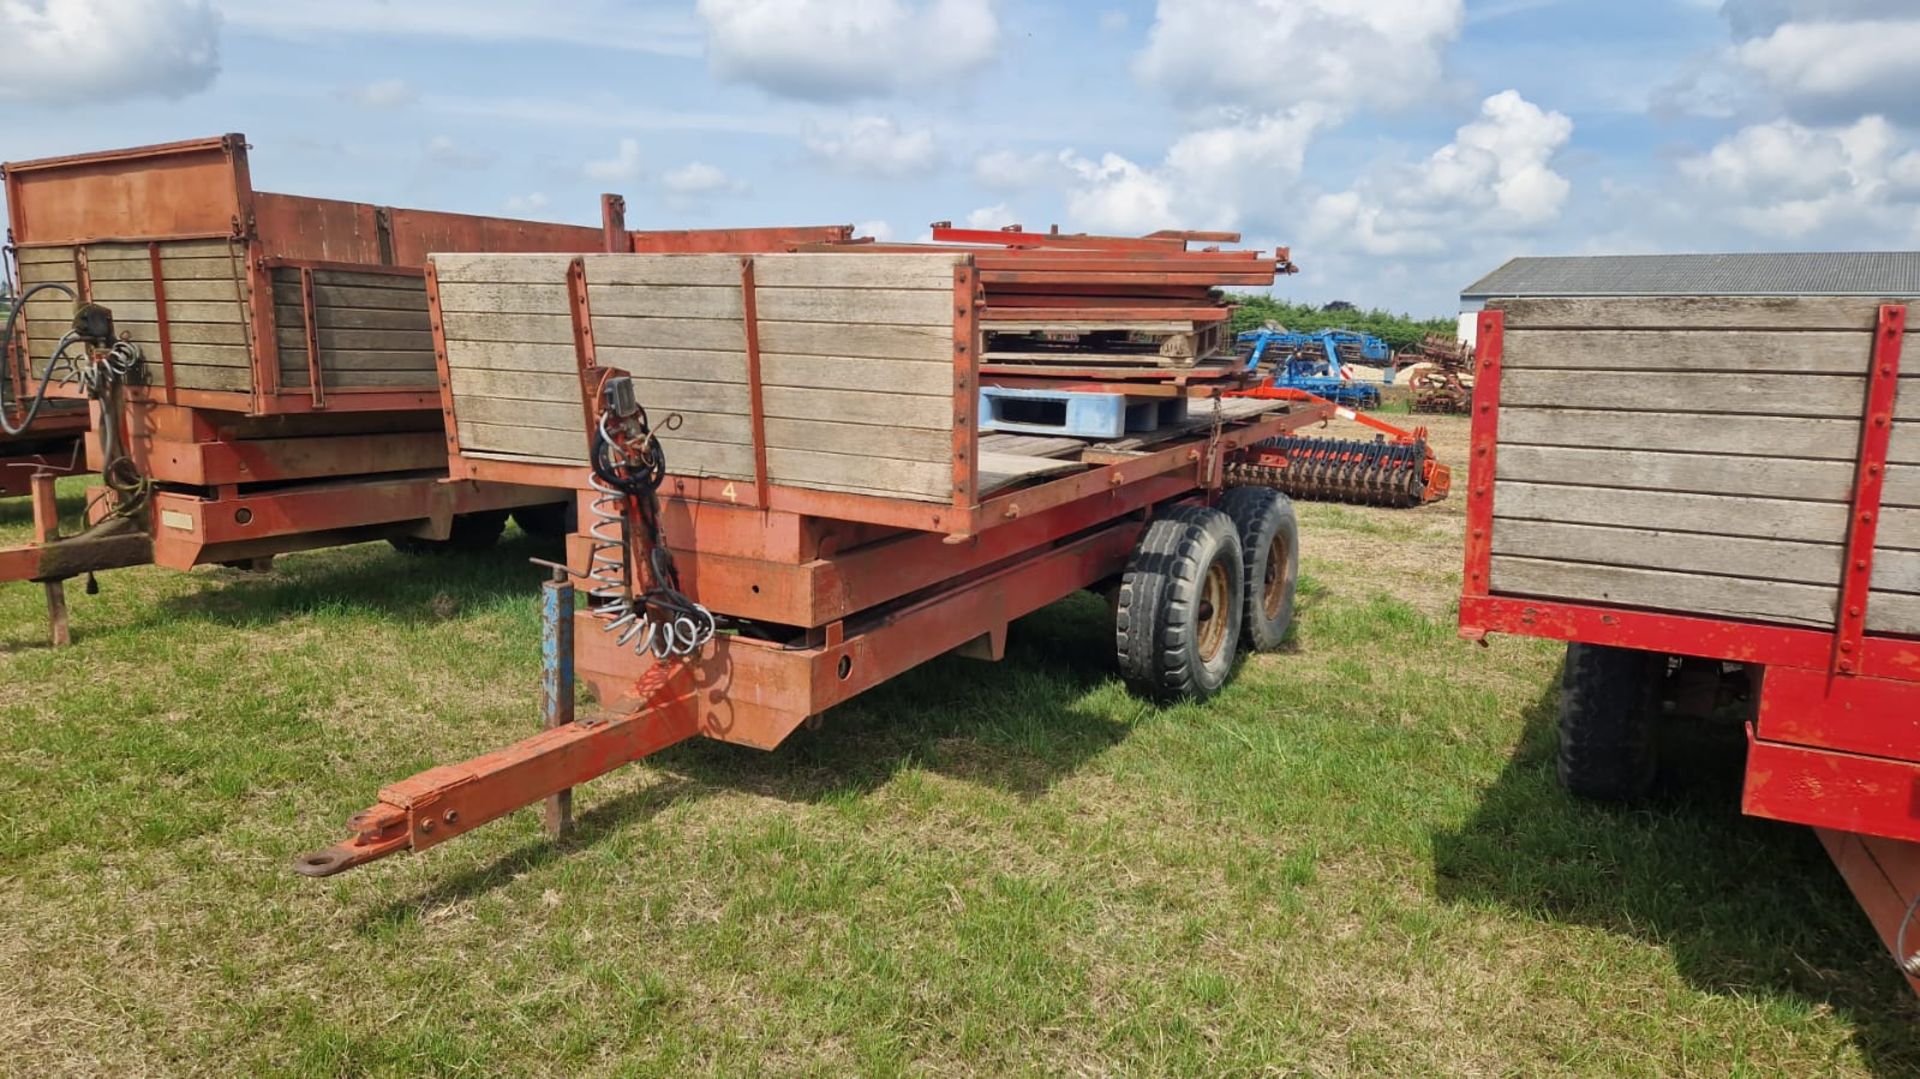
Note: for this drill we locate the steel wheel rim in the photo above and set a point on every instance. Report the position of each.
(1273, 585)
(1211, 634)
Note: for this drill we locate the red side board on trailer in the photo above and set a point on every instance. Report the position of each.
(1834, 732)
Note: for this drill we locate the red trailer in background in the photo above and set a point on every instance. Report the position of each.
(285, 395)
(1763, 539)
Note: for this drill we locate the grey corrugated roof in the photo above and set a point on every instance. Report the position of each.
(1837, 273)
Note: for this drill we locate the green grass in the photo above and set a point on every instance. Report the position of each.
(1354, 861)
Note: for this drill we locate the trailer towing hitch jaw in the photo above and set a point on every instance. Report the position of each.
(378, 832)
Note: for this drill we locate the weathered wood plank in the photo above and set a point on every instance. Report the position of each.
(43, 256)
(210, 355)
(530, 329)
(1815, 352)
(852, 406)
(667, 301)
(851, 270)
(1692, 312)
(1000, 470)
(857, 307)
(408, 283)
(1896, 571)
(623, 331)
(662, 270)
(377, 340)
(502, 269)
(1723, 597)
(1678, 472)
(552, 415)
(1692, 432)
(295, 354)
(862, 440)
(519, 385)
(398, 380)
(1680, 552)
(660, 396)
(686, 365)
(364, 318)
(1656, 391)
(206, 290)
(879, 376)
(193, 376)
(207, 333)
(1891, 612)
(383, 299)
(879, 342)
(515, 356)
(488, 298)
(180, 269)
(1763, 518)
(900, 479)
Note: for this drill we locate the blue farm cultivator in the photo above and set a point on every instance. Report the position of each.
(1320, 363)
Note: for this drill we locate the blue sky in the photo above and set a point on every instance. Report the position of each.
(1401, 147)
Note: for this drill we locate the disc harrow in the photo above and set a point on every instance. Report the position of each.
(1367, 473)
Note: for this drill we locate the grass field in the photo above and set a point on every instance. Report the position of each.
(1354, 861)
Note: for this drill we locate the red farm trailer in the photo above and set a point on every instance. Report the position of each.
(785, 499)
(1717, 497)
(260, 367)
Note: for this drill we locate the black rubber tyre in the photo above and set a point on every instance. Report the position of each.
(550, 520)
(1609, 700)
(1270, 561)
(470, 532)
(1177, 619)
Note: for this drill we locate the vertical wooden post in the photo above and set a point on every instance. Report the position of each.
(556, 683)
(46, 528)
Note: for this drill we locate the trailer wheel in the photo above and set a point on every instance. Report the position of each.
(1609, 698)
(1270, 561)
(470, 532)
(1177, 620)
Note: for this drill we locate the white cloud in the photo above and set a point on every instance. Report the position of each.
(1113, 21)
(1239, 173)
(445, 150)
(527, 203)
(603, 24)
(623, 166)
(1005, 170)
(1840, 68)
(1783, 179)
(996, 216)
(699, 178)
(826, 50)
(1115, 195)
(1273, 54)
(86, 51)
(876, 146)
(879, 230)
(1495, 177)
(384, 94)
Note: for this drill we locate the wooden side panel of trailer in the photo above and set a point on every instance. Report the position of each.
(371, 329)
(1698, 455)
(856, 358)
(205, 282)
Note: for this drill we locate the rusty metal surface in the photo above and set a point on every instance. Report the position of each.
(143, 193)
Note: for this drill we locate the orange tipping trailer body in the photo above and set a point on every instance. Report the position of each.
(838, 584)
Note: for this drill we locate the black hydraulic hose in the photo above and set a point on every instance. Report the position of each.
(6, 351)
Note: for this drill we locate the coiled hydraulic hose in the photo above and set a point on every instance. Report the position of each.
(626, 475)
